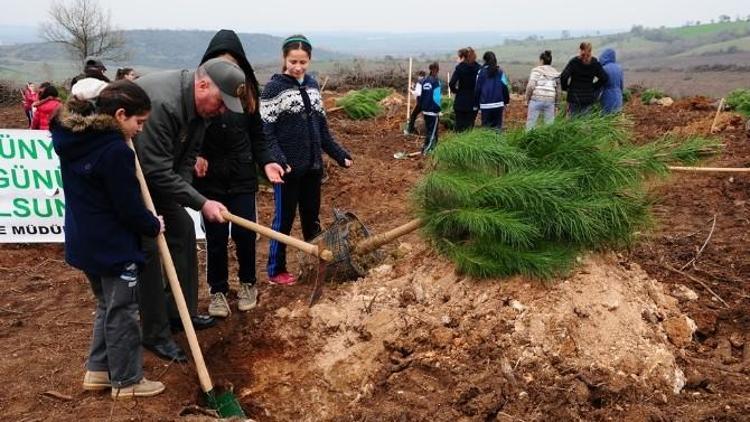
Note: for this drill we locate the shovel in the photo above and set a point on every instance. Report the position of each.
(323, 255)
(404, 155)
(225, 403)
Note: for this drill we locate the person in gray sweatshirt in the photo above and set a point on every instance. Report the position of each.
(543, 91)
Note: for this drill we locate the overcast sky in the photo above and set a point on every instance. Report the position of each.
(282, 17)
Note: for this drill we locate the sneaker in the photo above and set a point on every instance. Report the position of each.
(248, 297)
(96, 380)
(219, 307)
(283, 279)
(144, 388)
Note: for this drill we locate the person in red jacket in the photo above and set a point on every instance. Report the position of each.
(45, 108)
(29, 96)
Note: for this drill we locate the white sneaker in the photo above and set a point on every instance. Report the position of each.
(248, 297)
(219, 307)
(144, 388)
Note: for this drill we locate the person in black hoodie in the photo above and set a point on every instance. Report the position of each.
(583, 79)
(225, 172)
(295, 126)
(462, 84)
(104, 220)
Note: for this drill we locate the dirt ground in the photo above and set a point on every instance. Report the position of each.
(657, 332)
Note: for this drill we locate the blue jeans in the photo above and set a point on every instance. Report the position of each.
(546, 108)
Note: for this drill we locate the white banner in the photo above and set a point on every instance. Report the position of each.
(32, 201)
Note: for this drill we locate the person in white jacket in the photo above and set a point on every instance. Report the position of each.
(543, 91)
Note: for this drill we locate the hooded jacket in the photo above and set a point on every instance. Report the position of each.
(234, 142)
(45, 109)
(611, 98)
(462, 83)
(295, 125)
(491, 91)
(104, 213)
(578, 80)
(544, 84)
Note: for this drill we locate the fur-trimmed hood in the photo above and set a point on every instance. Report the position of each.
(78, 136)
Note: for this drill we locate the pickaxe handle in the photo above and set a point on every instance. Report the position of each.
(309, 248)
(371, 243)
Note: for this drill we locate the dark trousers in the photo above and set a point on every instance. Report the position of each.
(303, 192)
(116, 341)
(217, 239)
(29, 115)
(413, 117)
(465, 120)
(157, 305)
(431, 133)
(576, 109)
(493, 118)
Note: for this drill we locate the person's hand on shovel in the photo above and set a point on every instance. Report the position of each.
(275, 172)
(212, 211)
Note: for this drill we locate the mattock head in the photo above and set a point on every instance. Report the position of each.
(320, 277)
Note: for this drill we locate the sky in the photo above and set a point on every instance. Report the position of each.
(281, 17)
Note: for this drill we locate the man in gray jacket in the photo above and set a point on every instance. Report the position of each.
(167, 149)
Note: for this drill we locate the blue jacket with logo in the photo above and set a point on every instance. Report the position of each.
(431, 96)
(491, 91)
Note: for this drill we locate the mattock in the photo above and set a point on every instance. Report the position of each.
(323, 255)
(354, 249)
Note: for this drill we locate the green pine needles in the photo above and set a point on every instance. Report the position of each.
(529, 202)
(364, 103)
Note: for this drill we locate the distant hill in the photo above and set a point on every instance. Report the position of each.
(698, 45)
(150, 49)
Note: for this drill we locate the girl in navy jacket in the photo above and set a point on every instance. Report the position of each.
(430, 103)
(104, 220)
(295, 126)
(492, 93)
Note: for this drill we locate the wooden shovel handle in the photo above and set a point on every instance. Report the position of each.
(174, 284)
(371, 243)
(309, 248)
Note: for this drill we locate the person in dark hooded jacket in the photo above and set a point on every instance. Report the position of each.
(611, 98)
(225, 171)
(105, 218)
(582, 78)
(93, 68)
(462, 84)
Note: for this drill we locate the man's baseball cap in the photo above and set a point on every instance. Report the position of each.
(230, 79)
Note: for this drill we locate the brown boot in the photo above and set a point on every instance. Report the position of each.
(144, 388)
(96, 380)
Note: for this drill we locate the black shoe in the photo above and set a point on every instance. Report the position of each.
(200, 322)
(168, 350)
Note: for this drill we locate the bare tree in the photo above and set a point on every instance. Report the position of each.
(85, 29)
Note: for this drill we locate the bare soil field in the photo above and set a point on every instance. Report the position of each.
(658, 332)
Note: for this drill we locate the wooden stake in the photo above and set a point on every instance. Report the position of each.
(408, 93)
(323, 87)
(449, 82)
(711, 169)
(716, 118)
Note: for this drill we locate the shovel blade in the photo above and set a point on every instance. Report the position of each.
(225, 404)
